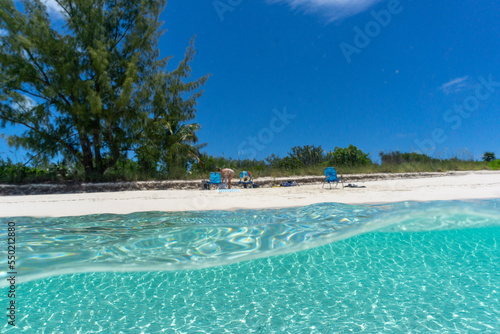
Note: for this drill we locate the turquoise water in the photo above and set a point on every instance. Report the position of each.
(326, 268)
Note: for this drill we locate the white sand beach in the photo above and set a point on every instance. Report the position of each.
(469, 185)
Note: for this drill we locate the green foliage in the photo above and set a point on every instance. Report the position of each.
(350, 156)
(299, 157)
(96, 90)
(489, 156)
(19, 173)
(15, 173)
(132, 170)
(495, 164)
(273, 161)
(291, 163)
(306, 156)
(400, 158)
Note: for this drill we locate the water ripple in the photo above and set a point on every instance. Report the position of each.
(190, 240)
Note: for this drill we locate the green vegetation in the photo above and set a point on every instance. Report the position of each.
(350, 156)
(19, 173)
(300, 161)
(494, 165)
(489, 156)
(96, 92)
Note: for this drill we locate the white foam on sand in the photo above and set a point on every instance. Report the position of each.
(475, 185)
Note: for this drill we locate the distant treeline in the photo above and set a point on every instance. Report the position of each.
(301, 160)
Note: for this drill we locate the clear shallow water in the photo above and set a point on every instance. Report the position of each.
(327, 268)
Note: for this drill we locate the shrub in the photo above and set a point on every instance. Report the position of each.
(350, 156)
(273, 161)
(290, 163)
(495, 164)
(307, 155)
(400, 158)
(489, 156)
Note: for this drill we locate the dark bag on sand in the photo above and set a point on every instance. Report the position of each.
(205, 185)
(289, 184)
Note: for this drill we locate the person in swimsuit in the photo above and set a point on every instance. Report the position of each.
(226, 174)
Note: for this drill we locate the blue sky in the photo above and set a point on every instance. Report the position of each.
(381, 75)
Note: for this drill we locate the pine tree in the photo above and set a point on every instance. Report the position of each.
(93, 90)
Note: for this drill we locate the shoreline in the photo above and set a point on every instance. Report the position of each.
(446, 186)
(264, 182)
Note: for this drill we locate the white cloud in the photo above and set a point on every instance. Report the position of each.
(27, 104)
(53, 8)
(456, 85)
(333, 9)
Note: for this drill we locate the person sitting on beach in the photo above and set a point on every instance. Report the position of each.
(226, 175)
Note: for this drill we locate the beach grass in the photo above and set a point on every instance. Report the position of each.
(410, 167)
(130, 172)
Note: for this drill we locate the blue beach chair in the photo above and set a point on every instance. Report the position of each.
(246, 179)
(331, 177)
(215, 179)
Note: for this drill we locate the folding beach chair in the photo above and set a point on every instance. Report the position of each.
(215, 179)
(331, 177)
(246, 179)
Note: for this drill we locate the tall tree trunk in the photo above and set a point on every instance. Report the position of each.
(97, 151)
(87, 161)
